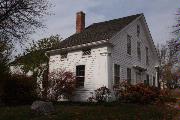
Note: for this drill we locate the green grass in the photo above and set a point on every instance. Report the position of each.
(92, 112)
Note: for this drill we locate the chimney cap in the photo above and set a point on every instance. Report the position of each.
(80, 12)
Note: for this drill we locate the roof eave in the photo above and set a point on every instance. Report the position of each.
(82, 46)
(151, 39)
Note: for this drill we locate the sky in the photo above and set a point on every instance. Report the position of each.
(159, 14)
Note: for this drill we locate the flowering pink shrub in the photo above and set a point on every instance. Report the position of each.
(140, 93)
(60, 83)
(100, 95)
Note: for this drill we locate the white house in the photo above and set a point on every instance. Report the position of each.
(105, 53)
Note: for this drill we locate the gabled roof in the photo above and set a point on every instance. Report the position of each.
(98, 31)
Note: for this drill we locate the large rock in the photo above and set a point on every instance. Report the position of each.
(41, 107)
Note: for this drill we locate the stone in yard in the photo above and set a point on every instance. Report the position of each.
(41, 107)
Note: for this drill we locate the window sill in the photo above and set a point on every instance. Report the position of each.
(85, 56)
(64, 59)
(128, 55)
(79, 87)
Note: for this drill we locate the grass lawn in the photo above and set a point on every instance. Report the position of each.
(92, 112)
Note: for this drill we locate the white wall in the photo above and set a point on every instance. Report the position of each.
(96, 69)
(120, 56)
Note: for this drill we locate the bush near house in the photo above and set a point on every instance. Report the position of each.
(61, 83)
(141, 93)
(19, 89)
(127, 93)
(102, 94)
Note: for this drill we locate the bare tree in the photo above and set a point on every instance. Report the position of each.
(162, 50)
(165, 65)
(169, 54)
(19, 18)
(177, 26)
(174, 44)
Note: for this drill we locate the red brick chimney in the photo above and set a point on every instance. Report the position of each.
(80, 21)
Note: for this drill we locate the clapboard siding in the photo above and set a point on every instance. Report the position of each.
(95, 69)
(120, 56)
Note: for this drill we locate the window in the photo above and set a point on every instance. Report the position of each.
(138, 30)
(64, 55)
(129, 75)
(116, 73)
(147, 56)
(129, 44)
(86, 52)
(146, 82)
(138, 77)
(80, 75)
(139, 50)
(154, 81)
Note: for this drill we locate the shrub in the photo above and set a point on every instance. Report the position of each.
(140, 93)
(19, 89)
(61, 83)
(102, 94)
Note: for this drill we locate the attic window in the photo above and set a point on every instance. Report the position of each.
(129, 44)
(86, 52)
(64, 55)
(138, 30)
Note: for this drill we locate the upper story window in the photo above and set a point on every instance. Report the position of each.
(129, 44)
(129, 75)
(147, 56)
(86, 52)
(64, 55)
(116, 74)
(138, 30)
(139, 50)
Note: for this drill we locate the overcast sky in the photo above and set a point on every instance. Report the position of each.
(160, 15)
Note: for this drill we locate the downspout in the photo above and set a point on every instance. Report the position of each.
(45, 93)
(46, 55)
(47, 61)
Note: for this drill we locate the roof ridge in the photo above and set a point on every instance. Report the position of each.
(114, 19)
